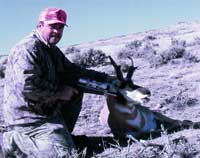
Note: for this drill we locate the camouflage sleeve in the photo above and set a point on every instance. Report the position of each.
(36, 86)
(74, 72)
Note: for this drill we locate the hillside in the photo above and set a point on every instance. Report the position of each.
(168, 62)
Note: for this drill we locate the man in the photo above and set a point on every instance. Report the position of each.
(40, 105)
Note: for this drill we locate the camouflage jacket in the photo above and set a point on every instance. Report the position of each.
(35, 73)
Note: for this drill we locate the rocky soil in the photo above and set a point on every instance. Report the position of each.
(168, 62)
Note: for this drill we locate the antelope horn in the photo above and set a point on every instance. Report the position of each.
(131, 69)
(117, 69)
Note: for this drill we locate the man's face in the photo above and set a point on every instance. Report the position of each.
(51, 33)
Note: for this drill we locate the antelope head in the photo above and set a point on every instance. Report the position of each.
(125, 87)
(123, 111)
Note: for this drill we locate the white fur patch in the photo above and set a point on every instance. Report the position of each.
(123, 109)
(136, 121)
(136, 96)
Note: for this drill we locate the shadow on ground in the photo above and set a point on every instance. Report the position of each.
(95, 145)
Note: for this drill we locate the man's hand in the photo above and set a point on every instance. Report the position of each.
(66, 93)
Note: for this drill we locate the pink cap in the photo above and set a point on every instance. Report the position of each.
(53, 15)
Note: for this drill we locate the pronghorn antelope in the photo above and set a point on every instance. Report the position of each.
(127, 116)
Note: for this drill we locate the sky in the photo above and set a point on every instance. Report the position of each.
(91, 20)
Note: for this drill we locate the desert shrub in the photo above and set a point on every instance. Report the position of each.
(156, 61)
(3, 61)
(197, 40)
(90, 58)
(2, 71)
(155, 45)
(149, 37)
(181, 100)
(124, 53)
(175, 51)
(72, 50)
(130, 49)
(194, 42)
(137, 50)
(148, 51)
(191, 58)
(134, 44)
(170, 55)
(178, 148)
(176, 42)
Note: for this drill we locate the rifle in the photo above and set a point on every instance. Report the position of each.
(95, 87)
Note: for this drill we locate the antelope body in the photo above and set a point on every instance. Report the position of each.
(127, 116)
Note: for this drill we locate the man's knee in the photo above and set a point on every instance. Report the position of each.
(47, 141)
(10, 147)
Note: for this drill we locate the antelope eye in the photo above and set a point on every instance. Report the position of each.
(122, 85)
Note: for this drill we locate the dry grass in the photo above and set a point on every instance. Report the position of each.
(167, 146)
